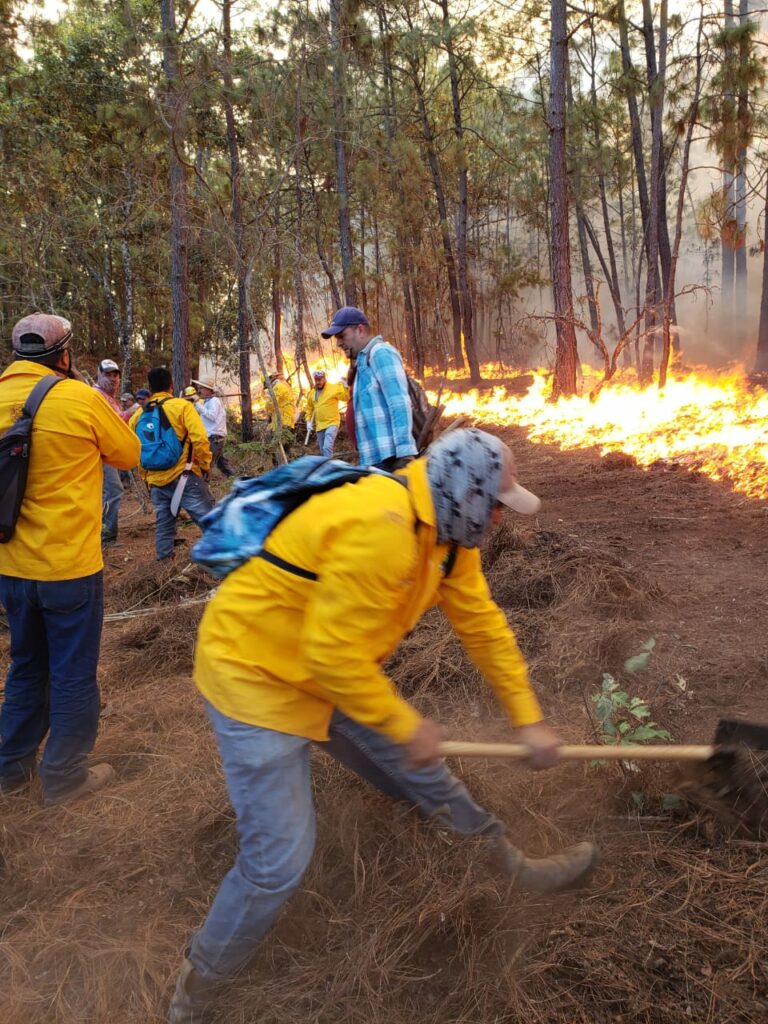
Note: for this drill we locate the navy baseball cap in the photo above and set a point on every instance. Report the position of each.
(347, 316)
(143, 393)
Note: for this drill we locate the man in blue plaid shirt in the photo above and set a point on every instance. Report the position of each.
(383, 415)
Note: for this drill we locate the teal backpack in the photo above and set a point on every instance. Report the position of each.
(161, 446)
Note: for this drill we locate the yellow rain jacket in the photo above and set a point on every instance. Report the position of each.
(286, 403)
(58, 533)
(279, 651)
(186, 422)
(325, 411)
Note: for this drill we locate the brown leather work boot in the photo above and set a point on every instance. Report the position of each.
(97, 778)
(563, 870)
(194, 997)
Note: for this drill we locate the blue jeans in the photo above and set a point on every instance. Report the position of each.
(111, 496)
(51, 685)
(196, 500)
(269, 784)
(326, 439)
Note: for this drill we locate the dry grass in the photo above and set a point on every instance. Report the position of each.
(395, 922)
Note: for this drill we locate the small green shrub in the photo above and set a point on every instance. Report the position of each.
(623, 719)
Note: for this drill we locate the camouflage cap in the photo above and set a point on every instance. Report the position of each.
(40, 334)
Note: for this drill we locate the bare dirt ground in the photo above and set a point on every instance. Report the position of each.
(396, 922)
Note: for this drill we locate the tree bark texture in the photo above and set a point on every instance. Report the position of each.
(442, 211)
(178, 197)
(611, 271)
(277, 311)
(339, 119)
(740, 197)
(401, 243)
(728, 232)
(634, 119)
(319, 246)
(243, 327)
(761, 362)
(581, 231)
(462, 213)
(564, 382)
(652, 286)
(655, 80)
(126, 336)
(693, 115)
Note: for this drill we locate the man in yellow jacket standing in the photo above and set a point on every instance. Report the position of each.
(51, 569)
(290, 653)
(188, 475)
(323, 411)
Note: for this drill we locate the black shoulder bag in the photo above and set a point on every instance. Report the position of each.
(15, 449)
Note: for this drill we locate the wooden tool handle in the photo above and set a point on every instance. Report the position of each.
(596, 752)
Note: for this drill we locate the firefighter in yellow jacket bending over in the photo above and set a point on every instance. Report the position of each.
(290, 654)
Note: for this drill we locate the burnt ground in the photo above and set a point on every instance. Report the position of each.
(395, 921)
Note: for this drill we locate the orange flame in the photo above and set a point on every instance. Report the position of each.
(703, 421)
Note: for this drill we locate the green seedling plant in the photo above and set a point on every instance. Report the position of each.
(622, 719)
(625, 720)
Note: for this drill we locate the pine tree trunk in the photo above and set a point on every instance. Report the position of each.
(611, 271)
(363, 285)
(728, 233)
(277, 295)
(316, 222)
(740, 290)
(586, 263)
(300, 353)
(581, 230)
(634, 121)
(662, 228)
(564, 382)
(462, 217)
(761, 362)
(652, 285)
(396, 186)
(377, 265)
(243, 327)
(665, 251)
(126, 340)
(442, 211)
(342, 187)
(178, 197)
(693, 117)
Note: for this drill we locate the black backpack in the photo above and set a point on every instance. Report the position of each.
(15, 450)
